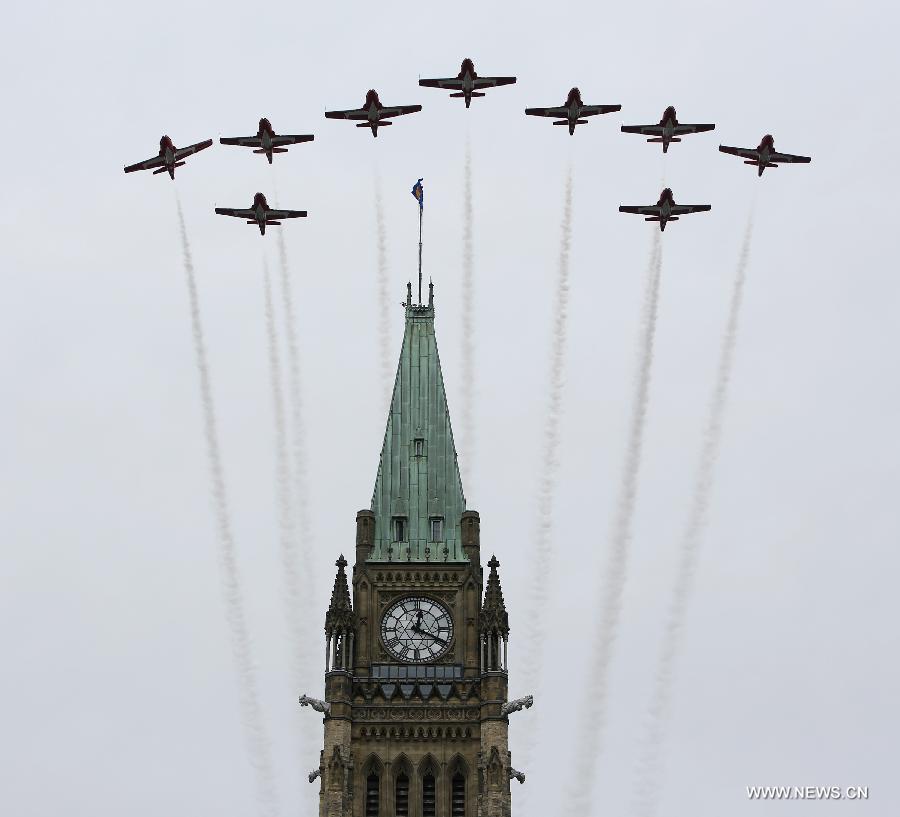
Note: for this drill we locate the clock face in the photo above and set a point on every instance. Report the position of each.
(417, 629)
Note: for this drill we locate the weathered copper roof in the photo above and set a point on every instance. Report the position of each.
(418, 487)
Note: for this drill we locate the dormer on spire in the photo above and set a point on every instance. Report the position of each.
(340, 623)
(493, 623)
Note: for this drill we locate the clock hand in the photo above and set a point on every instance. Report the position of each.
(429, 634)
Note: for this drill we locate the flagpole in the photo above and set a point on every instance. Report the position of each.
(420, 255)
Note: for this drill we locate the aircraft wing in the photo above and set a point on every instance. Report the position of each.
(156, 161)
(684, 209)
(788, 158)
(397, 110)
(554, 112)
(454, 83)
(744, 153)
(493, 82)
(180, 153)
(236, 212)
(243, 141)
(256, 142)
(682, 129)
(646, 130)
(275, 214)
(284, 139)
(356, 113)
(593, 110)
(641, 210)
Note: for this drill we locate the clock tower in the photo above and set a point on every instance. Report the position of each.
(416, 711)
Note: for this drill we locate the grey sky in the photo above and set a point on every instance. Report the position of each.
(118, 694)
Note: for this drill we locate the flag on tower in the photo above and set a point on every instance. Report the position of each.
(419, 193)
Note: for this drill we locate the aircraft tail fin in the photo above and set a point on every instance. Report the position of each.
(369, 124)
(659, 139)
(164, 168)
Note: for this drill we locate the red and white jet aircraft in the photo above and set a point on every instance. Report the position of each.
(373, 112)
(467, 82)
(260, 214)
(573, 110)
(665, 210)
(764, 156)
(668, 130)
(266, 140)
(169, 157)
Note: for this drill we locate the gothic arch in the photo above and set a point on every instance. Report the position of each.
(402, 763)
(372, 785)
(373, 764)
(458, 764)
(429, 786)
(429, 764)
(495, 769)
(402, 783)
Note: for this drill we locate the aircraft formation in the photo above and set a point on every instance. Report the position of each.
(466, 85)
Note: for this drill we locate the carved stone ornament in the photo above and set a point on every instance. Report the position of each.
(460, 714)
(318, 773)
(514, 773)
(517, 705)
(315, 703)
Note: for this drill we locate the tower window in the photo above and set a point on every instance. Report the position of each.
(399, 529)
(428, 798)
(437, 529)
(458, 796)
(372, 795)
(401, 796)
(419, 447)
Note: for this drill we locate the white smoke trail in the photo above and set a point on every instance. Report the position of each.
(542, 558)
(254, 732)
(593, 715)
(648, 783)
(384, 329)
(300, 585)
(296, 606)
(468, 302)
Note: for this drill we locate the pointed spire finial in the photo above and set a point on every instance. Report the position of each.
(341, 562)
(430, 293)
(409, 293)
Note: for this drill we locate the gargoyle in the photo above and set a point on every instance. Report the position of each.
(514, 773)
(517, 704)
(318, 773)
(315, 703)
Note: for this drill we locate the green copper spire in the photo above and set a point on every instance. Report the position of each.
(418, 497)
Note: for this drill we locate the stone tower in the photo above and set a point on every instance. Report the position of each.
(415, 710)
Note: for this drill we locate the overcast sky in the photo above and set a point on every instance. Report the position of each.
(118, 692)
